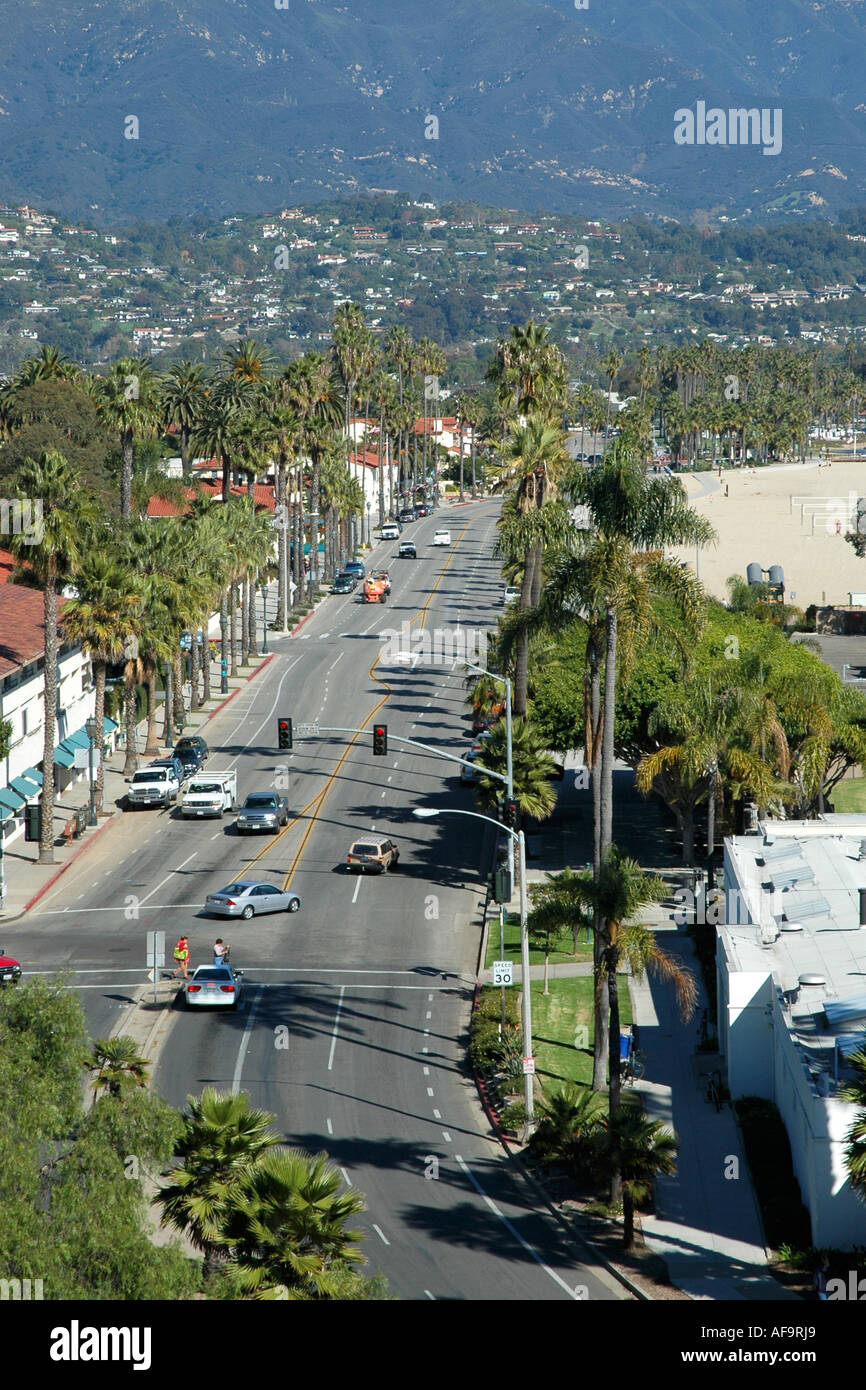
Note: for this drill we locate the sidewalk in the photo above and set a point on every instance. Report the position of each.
(706, 1225)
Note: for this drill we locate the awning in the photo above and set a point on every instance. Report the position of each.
(5, 812)
(14, 800)
(62, 757)
(24, 787)
(109, 725)
(77, 740)
(33, 775)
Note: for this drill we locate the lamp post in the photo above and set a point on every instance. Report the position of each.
(264, 620)
(368, 525)
(423, 813)
(91, 728)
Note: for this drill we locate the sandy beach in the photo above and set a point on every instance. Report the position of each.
(795, 516)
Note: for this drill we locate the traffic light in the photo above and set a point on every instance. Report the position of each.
(509, 814)
(284, 732)
(380, 739)
(33, 821)
(502, 887)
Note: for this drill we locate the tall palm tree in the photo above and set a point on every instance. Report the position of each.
(610, 363)
(103, 613)
(68, 515)
(246, 360)
(287, 1232)
(216, 434)
(48, 364)
(183, 397)
(127, 401)
(224, 1138)
(532, 768)
(315, 394)
(528, 372)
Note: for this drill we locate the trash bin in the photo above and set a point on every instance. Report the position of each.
(80, 822)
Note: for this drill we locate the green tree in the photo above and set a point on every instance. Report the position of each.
(127, 401)
(532, 768)
(118, 1064)
(639, 1150)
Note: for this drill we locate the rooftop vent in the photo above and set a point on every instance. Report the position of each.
(811, 979)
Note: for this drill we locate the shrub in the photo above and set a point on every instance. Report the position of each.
(485, 1043)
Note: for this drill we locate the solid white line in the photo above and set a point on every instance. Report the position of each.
(330, 1126)
(336, 1026)
(430, 1295)
(357, 889)
(245, 1042)
(214, 837)
(381, 1235)
(517, 1236)
(346, 1179)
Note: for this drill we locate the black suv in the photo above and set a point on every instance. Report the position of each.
(195, 742)
(190, 757)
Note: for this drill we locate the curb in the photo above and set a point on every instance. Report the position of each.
(538, 1188)
(214, 712)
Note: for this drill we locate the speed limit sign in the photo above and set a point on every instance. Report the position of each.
(503, 972)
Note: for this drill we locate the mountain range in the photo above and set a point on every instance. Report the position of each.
(140, 109)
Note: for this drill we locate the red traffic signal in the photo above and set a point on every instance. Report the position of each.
(380, 739)
(284, 733)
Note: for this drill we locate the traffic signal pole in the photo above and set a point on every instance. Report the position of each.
(412, 743)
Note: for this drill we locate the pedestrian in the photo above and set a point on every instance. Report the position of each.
(821, 1273)
(838, 528)
(726, 489)
(181, 956)
(221, 951)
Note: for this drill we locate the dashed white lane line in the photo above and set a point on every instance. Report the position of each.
(357, 889)
(336, 1026)
(217, 835)
(346, 1179)
(430, 998)
(437, 1114)
(142, 901)
(330, 1126)
(426, 1071)
(429, 1015)
(333, 663)
(431, 1296)
(381, 1235)
(384, 794)
(430, 1091)
(517, 1236)
(447, 1137)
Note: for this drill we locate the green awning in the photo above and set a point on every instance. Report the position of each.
(24, 787)
(5, 812)
(77, 740)
(33, 775)
(109, 725)
(11, 798)
(62, 757)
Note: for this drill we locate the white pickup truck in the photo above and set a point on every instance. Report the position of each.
(153, 786)
(210, 794)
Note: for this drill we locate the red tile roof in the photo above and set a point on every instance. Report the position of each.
(263, 494)
(22, 631)
(370, 459)
(7, 562)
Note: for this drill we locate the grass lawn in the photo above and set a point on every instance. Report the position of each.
(554, 1021)
(849, 795)
(512, 944)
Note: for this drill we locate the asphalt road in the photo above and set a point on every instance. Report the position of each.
(353, 1025)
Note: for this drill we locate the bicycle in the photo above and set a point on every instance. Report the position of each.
(632, 1068)
(714, 1090)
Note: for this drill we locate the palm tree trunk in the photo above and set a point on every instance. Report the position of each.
(186, 466)
(126, 466)
(99, 669)
(537, 574)
(615, 1094)
(711, 818)
(521, 663)
(233, 630)
(607, 754)
(195, 701)
(151, 747)
(129, 683)
(224, 631)
(244, 587)
(178, 710)
(253, 585)
(381, 469)
(472, 458)
(686, 820)
(205, 659)
(227, 477)
(49, 611)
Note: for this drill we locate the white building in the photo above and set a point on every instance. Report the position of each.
(791, 979)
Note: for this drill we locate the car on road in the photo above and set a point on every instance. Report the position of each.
(390, 530)
(175, 763)
(407, 551)
(356, 567)
(262, 811)
(442, 537)
(484, 721)
(214, 986)
(210, 794)
(510, 594)
(250, 897)
(406, 515)
(10, 970)
(154, 786)
(189, 758)
(469, 776)
(343, 584)
(373, 852)
(193, 741)
(422, 509)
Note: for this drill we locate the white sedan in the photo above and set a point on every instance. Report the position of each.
(442, 537)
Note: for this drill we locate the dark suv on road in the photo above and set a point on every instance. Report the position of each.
(196, 742)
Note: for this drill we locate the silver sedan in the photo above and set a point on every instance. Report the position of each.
(250, 898)
(216, 986)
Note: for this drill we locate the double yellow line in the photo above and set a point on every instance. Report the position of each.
(319, 799)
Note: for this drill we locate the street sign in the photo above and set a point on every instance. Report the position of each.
(306, 730)
(151, 975)
(155, 949)
(503, 972)
(82, 758)
(529, 1066)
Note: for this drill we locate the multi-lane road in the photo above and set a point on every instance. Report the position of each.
(354, 1021)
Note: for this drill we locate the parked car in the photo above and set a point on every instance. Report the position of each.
(469, 776)
(10, 970)
(441, 537)
(484, 721)
(407, 551)
(407, 514)
(510, 594)
(250, 898)
(189, 758)
(214, 986)
(390, 530)
(373, 852)
(193, 741)
(356, 567)
(422, 509)
(176, 763)
(343, 584)
(262, 811)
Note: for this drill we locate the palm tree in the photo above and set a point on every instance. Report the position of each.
(183, 398)
(223, 1140)
(48, 364)
(351, 350)
(67, 516)
(118, 1065)
(855, 1150)
(639, 1149)
(127, 401)
(100, 617)
(316, 398)
(532, 768)
(246, 360)
(611, 363)
(528, 372)
(287, 1232)
(571, 1124)
(216, 434)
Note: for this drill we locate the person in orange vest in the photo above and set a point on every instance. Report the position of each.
(181, 956)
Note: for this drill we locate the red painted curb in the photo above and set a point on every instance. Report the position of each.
(299, 625)
(62, 870)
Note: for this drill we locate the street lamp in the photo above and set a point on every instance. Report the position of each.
(368, 525)
(264, 620)
(91, 728)
(425, 813)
